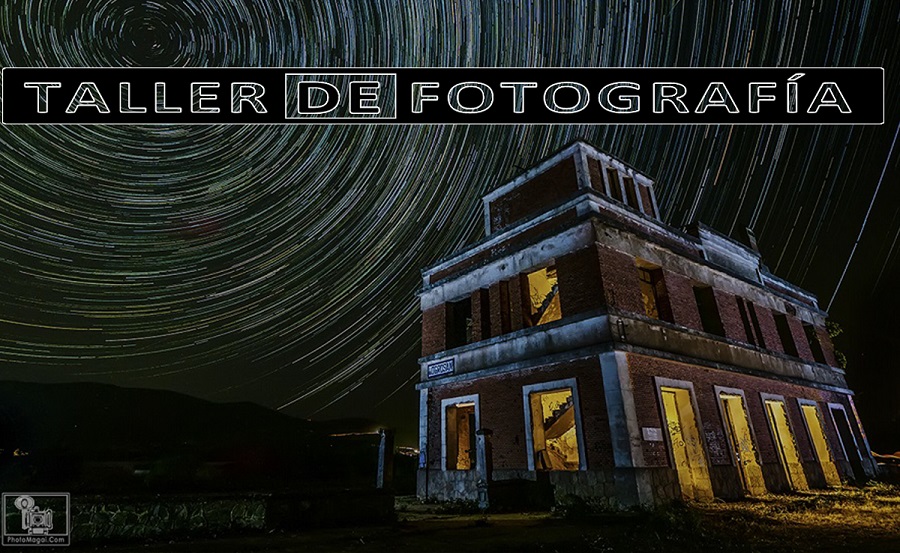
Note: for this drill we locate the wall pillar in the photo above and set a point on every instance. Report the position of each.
(633, 486)
(484, 465)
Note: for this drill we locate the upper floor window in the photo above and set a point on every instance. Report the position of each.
(653, 292)
(542, 305)
(615, 188)
(709, 310)
(458, 325)
(812, 337)
(784, 333)
(630, 192)
(751, 323)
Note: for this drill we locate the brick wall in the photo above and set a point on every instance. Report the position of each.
(434, 335)
(827, 345)
(551, 187)
(768, 328)
(731, 317)
(516, 304)
(479, 332)
(800, 338)
(502, 411)
(580, 285)
(620, 280)
(682, 300)
(643, 369)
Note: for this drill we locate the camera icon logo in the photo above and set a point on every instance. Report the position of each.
(34, 521)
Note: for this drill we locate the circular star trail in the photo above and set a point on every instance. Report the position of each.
(280, 264)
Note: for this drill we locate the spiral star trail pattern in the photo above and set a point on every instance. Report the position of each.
(279, 264)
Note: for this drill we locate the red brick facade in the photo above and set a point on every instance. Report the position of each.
(597, 248)
(644, 370)
(502, 411)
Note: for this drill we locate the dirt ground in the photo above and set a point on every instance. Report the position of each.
(844, 520)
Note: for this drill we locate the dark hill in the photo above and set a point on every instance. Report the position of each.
(73, 433)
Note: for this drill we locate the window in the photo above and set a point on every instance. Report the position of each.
(784, 333)
(630, 192)
(542, 305)
(754, 320)
(813, 338)
(554, 429)
(654, 293)
(709, 310)
(459, 323)
(615, 189)
(460, 436)
(745, 319)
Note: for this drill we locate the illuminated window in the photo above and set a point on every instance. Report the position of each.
(654, 293)
(554, 429)
(543, 297)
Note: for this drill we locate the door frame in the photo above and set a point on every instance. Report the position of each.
(661, 382)
(782, 460)
(472, 398)
(527, 390)
(723, 418)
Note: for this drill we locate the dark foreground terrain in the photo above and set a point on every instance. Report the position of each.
(846, 520)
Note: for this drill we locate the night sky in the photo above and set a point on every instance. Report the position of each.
(280, 264)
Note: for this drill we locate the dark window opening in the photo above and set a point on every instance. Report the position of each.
(813, 338)
(709, 310)
(654, 294)
(760, 340)
(615, 189)
(459, 323)
(630, 192)
(745, 319)
(784, 333)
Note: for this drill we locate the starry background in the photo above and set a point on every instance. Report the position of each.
(280, 264)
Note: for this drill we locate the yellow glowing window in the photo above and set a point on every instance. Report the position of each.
(543, 297)
(553, 430)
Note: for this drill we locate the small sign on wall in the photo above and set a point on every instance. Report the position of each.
(652, 434)
(440, 368)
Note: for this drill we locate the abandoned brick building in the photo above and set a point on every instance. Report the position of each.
(587, 344)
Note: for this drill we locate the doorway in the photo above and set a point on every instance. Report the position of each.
(459, 422)
(848, 441)
(785, 444)
(688, 455)
(813, 420)
(742, 444)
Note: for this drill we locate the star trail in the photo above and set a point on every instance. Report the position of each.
(280, 264)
